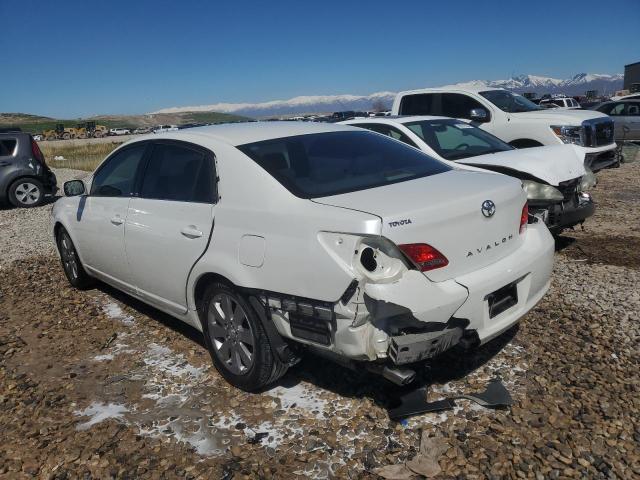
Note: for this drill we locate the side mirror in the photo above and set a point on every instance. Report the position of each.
(73, 188)
(479, 115)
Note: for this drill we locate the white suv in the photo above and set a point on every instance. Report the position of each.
(119, 131)
(275, 237)
(516, 120)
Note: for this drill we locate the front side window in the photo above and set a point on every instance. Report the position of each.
(455, 140)
(509, 102)
(178, 173)
(7, 147)
(324, 164)
(116, 177)
(457, 105)
(613, 109)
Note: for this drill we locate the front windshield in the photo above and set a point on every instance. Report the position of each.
(323, 164)
(509, 102)
(455, 140)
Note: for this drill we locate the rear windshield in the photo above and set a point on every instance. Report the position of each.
(324, 164)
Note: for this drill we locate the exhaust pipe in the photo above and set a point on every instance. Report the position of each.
(398, 376)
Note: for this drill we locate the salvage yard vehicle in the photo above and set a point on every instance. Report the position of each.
(25, 178)
(165, 128)
(625, 113)
(516, 120)
(565, 103)
(554, 178)
(119, 131)
(276, 237)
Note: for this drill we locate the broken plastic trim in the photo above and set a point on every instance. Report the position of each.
(309, 319)
(415, 402)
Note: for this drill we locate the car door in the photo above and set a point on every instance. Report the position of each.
(632, 120)
(616, 112)
(169, 223)
(100, 220)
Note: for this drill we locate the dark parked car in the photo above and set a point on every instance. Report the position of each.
(25, 178)
(625, 113)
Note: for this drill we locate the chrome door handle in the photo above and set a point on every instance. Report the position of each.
(191, 232)
(117, 220)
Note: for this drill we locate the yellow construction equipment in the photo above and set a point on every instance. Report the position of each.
(81, 130)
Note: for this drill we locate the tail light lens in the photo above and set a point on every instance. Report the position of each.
(37, 153)
(524, 218)
(424, 256)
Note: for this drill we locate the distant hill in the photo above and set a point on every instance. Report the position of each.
(576, 85)
(37, 123)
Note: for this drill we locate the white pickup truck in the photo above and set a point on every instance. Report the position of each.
(516, 120)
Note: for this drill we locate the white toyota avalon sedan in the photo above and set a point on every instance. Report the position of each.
(273, 238)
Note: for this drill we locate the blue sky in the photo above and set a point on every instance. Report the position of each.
(78, 58)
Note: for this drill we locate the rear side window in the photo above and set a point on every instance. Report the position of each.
(633, 109)
(419, 104)
(324, 164)
(387, 130)
(8, 147)
(178, 173)
(454, 105)
(116, 177)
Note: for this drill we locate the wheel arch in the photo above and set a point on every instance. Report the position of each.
(201, 284)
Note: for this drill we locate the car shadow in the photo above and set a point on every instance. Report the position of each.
(356, 383)
(47, 201)
(359, 383)
(165, 319)
(563, 242)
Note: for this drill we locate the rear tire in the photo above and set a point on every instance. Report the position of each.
(71, 264)
(26, 193)
(237, 342)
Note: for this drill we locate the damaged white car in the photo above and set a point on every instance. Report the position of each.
(554, 177)
(279, 237)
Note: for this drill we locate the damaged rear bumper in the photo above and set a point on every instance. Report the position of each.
(413, 318)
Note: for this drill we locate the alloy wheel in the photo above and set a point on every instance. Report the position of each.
(69, 258)
(231, 333)
(27, 193)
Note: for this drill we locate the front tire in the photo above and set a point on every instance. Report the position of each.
(71, 264)
(237, 342)
(26, 193)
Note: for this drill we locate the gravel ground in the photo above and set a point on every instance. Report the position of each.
(96, 385)
(24, 233)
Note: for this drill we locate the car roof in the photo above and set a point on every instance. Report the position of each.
(249, 132)
(395, 119)
(453, 88)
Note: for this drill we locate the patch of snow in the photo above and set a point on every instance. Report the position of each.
(174, 364)
(102, 358)
(300, 396)
(114, 311)
(100, 412)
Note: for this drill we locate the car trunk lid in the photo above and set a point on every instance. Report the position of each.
(445, 211)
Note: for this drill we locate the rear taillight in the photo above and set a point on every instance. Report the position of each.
(37, 153)
(424, 256)
(524, 218)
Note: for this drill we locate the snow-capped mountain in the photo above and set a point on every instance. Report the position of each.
(576, 85)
